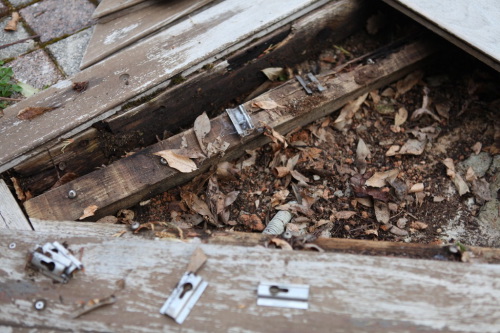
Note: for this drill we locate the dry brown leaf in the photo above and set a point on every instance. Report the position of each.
(19, 191)
(408, 82)
(380, 179)
(371, 232)
(66, 178)
(273, 73)
(344, 214)
(275, 136)
(362, 152)
(374, 95)
(126, 215)
(382, 213)
(460, 184)
(266, 105)
(367, 202)
(477, 147)
(443, 109)
(252, 221)
(393, 150)
(281, 171)
(417, 225)
(413, 147)
(347, 112)
(400, 117)
(279, 197)
(419, 198)
(12, 24)
(419, 187)
(281, 243)
(89, 211)
(201, 128)
(470, 175)
(178, 162)
(450, 165)
(199, 206)
(32, 112)
(303, 180)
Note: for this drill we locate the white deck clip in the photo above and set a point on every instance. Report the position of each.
(241, 120)
(311, 81)
(294, 296)
(184, 297)
(55, 261)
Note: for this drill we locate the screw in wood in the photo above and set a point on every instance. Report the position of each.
(135, 225)
(12, 245)
(39, 304)
(71, 194)
(163, 161)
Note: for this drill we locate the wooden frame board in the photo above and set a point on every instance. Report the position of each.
(11, 215)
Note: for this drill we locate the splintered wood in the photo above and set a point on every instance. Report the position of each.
(127, 181)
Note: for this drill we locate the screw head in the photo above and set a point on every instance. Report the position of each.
(12, 245)
(163, 161)
(71, 194)
(39, 304)
(287, 234)
(135, 225)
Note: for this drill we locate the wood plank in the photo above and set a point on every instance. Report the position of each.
(11, 215)
(353, 246)
(348, 292)
(107, 7)
(127, 181)
(182, 48)
(141, 125)
(472, 26)
(111, 36)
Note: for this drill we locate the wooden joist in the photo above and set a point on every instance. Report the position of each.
(471, 25)
(111, 36)
(182, 48)
(127, 181)
(347, 292)
(11, 216)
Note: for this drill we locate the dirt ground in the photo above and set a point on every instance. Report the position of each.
(415, 161)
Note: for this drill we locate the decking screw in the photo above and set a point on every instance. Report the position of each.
(12, 245)
(71, 194)
(163, 161)
(287, 234)
(39, 304)
(135, 225)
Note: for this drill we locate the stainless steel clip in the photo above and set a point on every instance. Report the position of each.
(294, 296)
(55, 261)
(184, 297)
(312, 81)
(241, 120)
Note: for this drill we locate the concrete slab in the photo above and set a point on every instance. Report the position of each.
(54, 18)
(69, 51)
(36, 69)
(7, 37)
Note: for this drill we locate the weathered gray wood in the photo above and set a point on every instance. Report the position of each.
(348, 293)
(111, 36)
(107, 7)
(88, 229)
(11, 215)
(471, 25)
(182, 48)
(129, 180)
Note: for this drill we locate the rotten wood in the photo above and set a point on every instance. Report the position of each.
(182, 48)
(141, 125)
(347, 292)
(11, 215)
(127, 181)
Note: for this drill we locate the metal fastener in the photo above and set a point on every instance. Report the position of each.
(12, 245)
(135, 225)
(39, 304)
(71, 194)
(163, 161)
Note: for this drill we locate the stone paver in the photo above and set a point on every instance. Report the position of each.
(20, 3)
(36, 69)
(55, 18)
(69, 51)
(7, 37)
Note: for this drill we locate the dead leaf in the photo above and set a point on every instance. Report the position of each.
(406, 84)
(400, 188)
(12, 24)
(281, 243)
(399, 232)
(460, 184)
(380, 179)
(266, 105)
(303, 180)
(419, 187)
(381, 212)
(401, 223)
(252, 221)
(470, 175)
(197, 260)
(251, 160)
(279, 197)
(419, 198)
(32, 112)
(393, 150)
(273, 73)
(371, 232)
(367, 202)
(344, 214)
(347, 112)
(362, 152)
(281, 171)
(295, 207)
(443, 109)
(199, 206)
(413, 147)
(178, 162)
(66, 178)
(19, 191)
(126, 215)
(477, 148)
(89, 211)
(201, 128)
(275, 136)
(417, 225)
(217, 147)
(400, 117)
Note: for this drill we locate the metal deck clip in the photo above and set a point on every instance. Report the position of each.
(184, 297)
(55, 261)
(241, 120)
(294, 296)
(312, 81)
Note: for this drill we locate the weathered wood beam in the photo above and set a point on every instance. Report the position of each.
(11, 215)
(353, 246)
(139, 126)
(348, 292)
(127, 181)
(108, 7)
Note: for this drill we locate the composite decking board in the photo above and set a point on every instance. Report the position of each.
(107, 7)
(473, 26)
(348, 293)
(182, 48)
(111, 36)
(11, 215)
(129, 180)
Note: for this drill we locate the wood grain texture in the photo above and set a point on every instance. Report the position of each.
(348, 293)
(127, 181)
(11, 215)
(113, 35)
(107, 7)
(182, 48)
(473, 26)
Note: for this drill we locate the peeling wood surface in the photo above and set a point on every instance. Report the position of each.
(111, 36)
(353, 246)
(297, 42)
(11, 215)
(348, 292)
(473, 26)
(182, 48)
(129, 180)
(107, 7)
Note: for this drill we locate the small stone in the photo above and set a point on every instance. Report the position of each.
(338, 193)
(479, 163)
(399, 232)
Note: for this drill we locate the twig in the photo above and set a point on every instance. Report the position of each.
(19, 41)
(10, 99)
